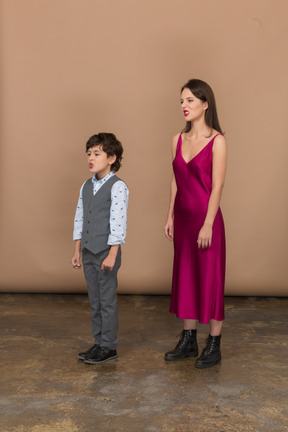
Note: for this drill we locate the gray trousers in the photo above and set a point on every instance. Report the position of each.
(102, 287)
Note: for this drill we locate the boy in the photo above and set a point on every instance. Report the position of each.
(99, 230)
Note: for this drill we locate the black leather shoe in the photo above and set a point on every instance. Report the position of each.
(186, 347)
(211, 354)
(102, 355)
(91, 351)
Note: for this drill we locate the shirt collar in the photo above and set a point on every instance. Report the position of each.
(104, 179)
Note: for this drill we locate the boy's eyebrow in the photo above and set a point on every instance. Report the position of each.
(95, 150)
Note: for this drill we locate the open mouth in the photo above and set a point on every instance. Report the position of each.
(90, 165)
(185, 113)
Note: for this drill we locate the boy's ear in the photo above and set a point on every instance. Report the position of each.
(112, 159)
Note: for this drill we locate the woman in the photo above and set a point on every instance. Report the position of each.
(196, 225)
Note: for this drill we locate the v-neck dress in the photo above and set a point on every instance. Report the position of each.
(198, 274)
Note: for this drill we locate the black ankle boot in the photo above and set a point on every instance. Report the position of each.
(186, 347)
(211, 354)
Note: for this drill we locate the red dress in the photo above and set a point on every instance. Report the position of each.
(198, 274)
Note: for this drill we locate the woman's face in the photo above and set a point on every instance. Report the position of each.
(192, 107)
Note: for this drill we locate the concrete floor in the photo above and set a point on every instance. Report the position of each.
(44, 387)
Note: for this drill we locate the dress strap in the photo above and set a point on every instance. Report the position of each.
(216, 136)
(213, 139)
(179, 143)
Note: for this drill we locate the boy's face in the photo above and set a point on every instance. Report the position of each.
(99, 162)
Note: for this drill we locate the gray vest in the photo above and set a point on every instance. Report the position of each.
(96, 223)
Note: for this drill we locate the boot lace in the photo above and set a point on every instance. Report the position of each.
(182, 340)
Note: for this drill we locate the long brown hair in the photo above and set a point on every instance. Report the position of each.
(203, 91)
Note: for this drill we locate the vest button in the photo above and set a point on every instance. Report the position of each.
(86, 241)
(87, 232)
(88, 222)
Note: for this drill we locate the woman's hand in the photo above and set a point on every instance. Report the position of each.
(205, 236)
(169, 229)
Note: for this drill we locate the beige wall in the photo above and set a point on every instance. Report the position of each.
(72, 68)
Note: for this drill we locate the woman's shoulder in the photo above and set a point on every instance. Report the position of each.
(174, 144)
(219, 142)
(176, 137)
(217, 136)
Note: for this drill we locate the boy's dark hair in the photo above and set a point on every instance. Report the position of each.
(110, 145)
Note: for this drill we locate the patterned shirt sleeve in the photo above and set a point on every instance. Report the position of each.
(78, 220)
(118, 213)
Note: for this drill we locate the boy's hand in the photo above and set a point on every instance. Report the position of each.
(108, 263)
(76, 263)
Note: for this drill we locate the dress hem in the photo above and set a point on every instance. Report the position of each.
(197, 319)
